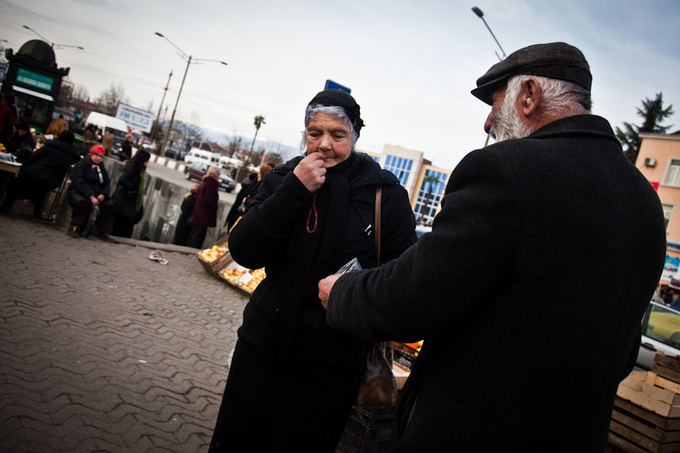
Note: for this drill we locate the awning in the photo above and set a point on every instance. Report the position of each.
(33, 93)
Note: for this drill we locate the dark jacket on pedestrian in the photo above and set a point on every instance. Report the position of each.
(85, 181)
(528, 294)
(125, 196)
(20, 145)
(248, 186)
(284, 309)
(126, 150)
(205, 210)
(184, 221)
(50, 163)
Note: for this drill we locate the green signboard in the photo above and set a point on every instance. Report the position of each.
(40, 81)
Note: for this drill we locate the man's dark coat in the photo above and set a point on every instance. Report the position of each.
(528, 294)
(49, 163)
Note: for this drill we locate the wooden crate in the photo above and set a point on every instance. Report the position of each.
(638, 430)
(667, 367)
(646, 415)
(220, 263)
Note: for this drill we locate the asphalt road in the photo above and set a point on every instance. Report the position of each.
(177, 177)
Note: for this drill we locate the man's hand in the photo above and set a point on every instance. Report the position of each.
(94, 200)
(311, 172)
(100, 197)
(325, 288)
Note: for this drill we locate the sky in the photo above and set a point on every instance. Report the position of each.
(410, 64)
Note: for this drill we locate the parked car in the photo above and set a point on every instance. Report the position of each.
(198, 169)
(660, 332)
(173, 153)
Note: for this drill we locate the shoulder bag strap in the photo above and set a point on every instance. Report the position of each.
(378, 209)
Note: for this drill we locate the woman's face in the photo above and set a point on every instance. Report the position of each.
(96, 159)
(330, 136)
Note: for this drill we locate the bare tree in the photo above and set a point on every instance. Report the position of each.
(109, 99)
(80, 93)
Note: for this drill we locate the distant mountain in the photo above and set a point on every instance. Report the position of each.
(222, 139)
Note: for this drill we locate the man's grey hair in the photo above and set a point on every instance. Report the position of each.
(332, 110)
(560, 97)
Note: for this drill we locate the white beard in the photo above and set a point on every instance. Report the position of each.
(506, 124)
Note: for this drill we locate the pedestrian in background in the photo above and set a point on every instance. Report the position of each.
(44, 171)
(247, 190)
(90, 188)
(205, 210)
(546, 252)
(126, 148)
(293, 379)
(128, 199)
(183, 227)
(21, 142)
(107, 142)
(57, 126)
(8, 118)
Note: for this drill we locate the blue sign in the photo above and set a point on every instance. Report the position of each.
(330, 85)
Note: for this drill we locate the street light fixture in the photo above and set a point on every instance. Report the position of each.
(188, 58)
(53, 45)
(480, 14)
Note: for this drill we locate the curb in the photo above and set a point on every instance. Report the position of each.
(155, 245)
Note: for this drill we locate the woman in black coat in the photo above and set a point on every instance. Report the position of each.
(183, 227)
(90, 189)
(129, 196)
(293, 379)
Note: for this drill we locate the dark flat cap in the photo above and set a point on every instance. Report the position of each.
(555, 60)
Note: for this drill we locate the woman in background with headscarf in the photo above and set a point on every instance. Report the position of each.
(129, 195)
(205, 210)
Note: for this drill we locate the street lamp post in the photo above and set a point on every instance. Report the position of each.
(480, 14)
(188, 58)
(53, 45)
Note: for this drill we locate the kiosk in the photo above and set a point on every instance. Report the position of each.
(35, 80)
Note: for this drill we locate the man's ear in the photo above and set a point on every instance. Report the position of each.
(530, 97)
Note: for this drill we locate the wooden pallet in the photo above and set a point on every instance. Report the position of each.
(638, 430)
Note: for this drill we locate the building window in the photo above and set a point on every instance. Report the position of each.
(667, 213)
(429, 196)
(400, 167)
(673, 174)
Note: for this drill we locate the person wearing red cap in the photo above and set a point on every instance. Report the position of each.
(90, 187)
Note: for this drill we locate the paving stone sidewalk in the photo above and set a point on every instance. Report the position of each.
(103, 349)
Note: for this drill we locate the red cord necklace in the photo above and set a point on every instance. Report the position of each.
(312, 229)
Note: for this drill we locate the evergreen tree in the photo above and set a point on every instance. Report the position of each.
(654, 114)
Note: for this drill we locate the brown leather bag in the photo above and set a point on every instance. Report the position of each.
(378, 386)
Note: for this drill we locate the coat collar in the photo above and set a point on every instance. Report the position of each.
(577, 125)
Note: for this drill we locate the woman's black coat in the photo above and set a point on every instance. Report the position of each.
(272, 234)
(184, 222)
(85, 182)
(125, 196)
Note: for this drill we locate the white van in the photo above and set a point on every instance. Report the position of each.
(199, 155)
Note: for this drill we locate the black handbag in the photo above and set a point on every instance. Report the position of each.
(378, 386)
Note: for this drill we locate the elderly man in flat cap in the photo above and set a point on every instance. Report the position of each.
(530, 288)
